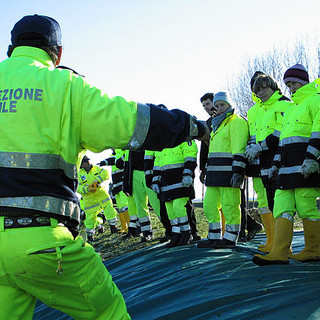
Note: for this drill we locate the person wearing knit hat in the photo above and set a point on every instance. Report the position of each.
(296, 73)
(298, 180)
(225, 174)
(222, 96)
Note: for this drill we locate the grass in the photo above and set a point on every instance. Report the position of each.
(113, 245)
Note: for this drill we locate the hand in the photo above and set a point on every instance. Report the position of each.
(273, 171)
(309, 167)
(206, 137)
(253, 151)
(202, 176)
(155, 187)
(92, 188)
(187, 181)
(236, 180)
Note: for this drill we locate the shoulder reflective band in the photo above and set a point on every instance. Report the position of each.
(141, 128)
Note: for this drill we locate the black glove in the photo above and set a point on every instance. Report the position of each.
(103, 163)
(236, 180)
(120, 163)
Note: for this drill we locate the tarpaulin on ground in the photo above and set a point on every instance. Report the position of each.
(190, 283)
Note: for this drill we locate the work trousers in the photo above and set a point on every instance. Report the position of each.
(79, 285)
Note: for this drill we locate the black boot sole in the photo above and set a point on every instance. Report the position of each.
(261, 262)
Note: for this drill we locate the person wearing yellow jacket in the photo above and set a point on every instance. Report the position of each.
(39, 209)
(298, 179)
(116, 161)
(271, 108)
(95, 197)
(225, 173)
(173, 176)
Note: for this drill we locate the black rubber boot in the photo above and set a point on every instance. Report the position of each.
(166, 238)
(113, 229)
(195, 236)
(185, 239)
(174, 240)
(147, 236)
(224, 244)
(132, 233)
(207, 243)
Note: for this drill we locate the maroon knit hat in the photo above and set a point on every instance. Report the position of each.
(296, 73)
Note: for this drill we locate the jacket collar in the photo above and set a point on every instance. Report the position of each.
(304, 92)
(274, 98)
(33, 53)
(216, 121)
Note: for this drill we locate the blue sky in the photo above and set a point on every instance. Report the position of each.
(165, 51)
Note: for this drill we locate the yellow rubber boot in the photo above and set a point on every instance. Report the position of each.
(281, 244)
(123, 223)
(311, 252)
(269, 225)
(126, 216)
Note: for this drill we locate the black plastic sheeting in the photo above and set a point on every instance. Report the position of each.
(189, 283)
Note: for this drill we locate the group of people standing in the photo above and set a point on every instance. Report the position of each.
(42, 255)
(278, 145)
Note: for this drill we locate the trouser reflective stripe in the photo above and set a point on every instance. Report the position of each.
(183, 223)
(112, 222)
(175, 225)
(214, 231)
(145, 224)
(133, 221)
(232, 232)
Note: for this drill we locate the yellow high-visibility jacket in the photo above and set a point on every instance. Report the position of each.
(299, 139)
(227, 151)
(86, 179)
(50, 115)
(170, 165)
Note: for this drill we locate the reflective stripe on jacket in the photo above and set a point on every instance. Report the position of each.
(227, 151)
(48, 116)
(86, 179)
(172, 164)
(300, 138)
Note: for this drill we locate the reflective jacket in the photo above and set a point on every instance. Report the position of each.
(116, 161)
(227, 151)
(253, 116)
(48, 116)
(170, 166)
(268, 131)
(149, 158)
(86, 179)
(299, 139)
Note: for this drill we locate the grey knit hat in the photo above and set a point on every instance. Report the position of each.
(222, 96)
(296, 73)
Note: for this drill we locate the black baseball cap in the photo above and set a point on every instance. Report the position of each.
(46, 27)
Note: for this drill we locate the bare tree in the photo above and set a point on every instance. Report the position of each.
(305, 50)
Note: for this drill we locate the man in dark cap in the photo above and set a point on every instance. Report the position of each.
(42, 256)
